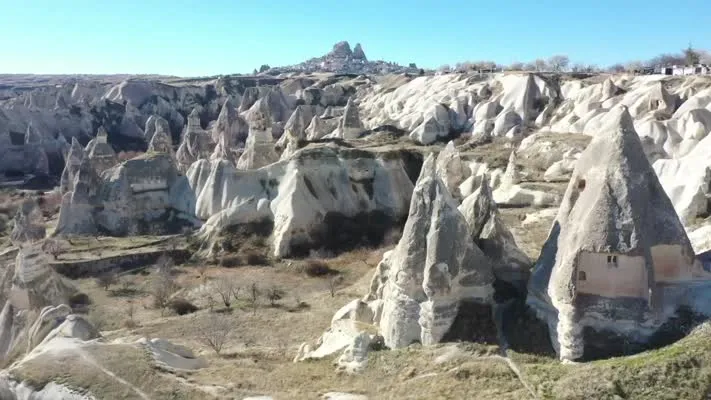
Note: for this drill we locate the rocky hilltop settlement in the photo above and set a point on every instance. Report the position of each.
(348, 229)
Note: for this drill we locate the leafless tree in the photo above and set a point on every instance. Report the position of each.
(616, 68)
(254, 293)
(227, 289)
(53, 247)
(162, 288)
(107, 278)
(516, 66)
(559, 62)
(691, 56)
(274, 294)
(540, 64)
(165, 265)
(214, 332)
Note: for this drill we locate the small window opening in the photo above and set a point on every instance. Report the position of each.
(581, 185)
(582, 276)
(612, 261)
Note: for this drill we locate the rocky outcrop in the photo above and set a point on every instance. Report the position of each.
(436, 125)
(161, 141)
(229, 128)
(493, 237)
(100, 152)
(144, 195)
(511, 193)
(617, 262)
(350, 125)
(259, 149)
(428, 288)
(29, 225)
(319, 128)
(358, 53)
(196, 143)
(320, 197)
(153, 124)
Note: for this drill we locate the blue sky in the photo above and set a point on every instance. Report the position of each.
(191, 38)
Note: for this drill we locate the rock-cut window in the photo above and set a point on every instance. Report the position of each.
(581, 185)
(612, 261)
(582, 276)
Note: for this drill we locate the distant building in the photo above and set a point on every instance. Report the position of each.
(681, 70)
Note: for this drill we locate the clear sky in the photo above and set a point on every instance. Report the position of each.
(191, 38)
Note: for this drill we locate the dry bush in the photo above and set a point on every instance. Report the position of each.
(181, 306)
(274, 294)
(253, 298)
(214, 333)
(231, 261)
(162, 288)
(317, 268)
(53, 247)
(227, 289)
(165, 265)
(255, 258)
(333, 284)
(129, 322)
(106, 279)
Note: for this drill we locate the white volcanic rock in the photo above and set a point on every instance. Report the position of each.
(451, 169)
(161, 141)
(332, 112)
(511, 193)
(505, 122)
(307, 194)
(172, 356)
(318, 128)
(196, 143)
(259, 150)
(34, 283)
(144, 195)
(686, 180)
(355, 357)
(350, 125)
(493, 237)
(230, 127)
(154, 123)
(421, 283)
(296, 125)
(561, 169)
(100, 152)
(606, 263)
(436, 125)
(28, 224)
(130, 122)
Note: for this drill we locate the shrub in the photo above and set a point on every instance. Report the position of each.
(181, 306)
(79, 301)
(214, 333)
(227, 288)
(317, 268)
(274, 294)
(254, 258)
(230, 261)
(106, 279)
(162, 288)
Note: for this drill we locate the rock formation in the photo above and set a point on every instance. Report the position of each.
(350, 125)
(196, 143)
(617, 258)
(358, 53)
(259, 149)
(71, 168)
(320, 197)
(100, 152)
(144, 195)
(430, 288)
(511, 193)
(319, 128)
(153, 124)
(29, 226)
(229, 128)
(161, 141)
(493, 237)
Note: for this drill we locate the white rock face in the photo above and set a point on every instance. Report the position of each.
(306, 194)
(172, 356)
(511, 193)
(100, 152)
(604, 265)
(145, 194)
(493, 237)
(451, 169)
(561, 170)
(71, 168)
(154, 123)
(29, 225)
(196, 143)
(318, 128)
(350, 125)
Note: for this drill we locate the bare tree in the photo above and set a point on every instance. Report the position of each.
(634, 66)
(162, 288)
(254, 293)
(540, 64)
(445, 68)
(214, 332)
(227, 288)
(165, 265)
(53, 247)
(274, 294)
(616, 68)
(107, 278)
(559, 62)
(516, 66)
(691, 56)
